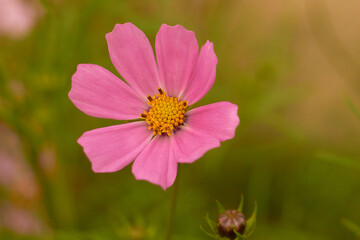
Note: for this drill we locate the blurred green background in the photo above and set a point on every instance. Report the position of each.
(292, 67)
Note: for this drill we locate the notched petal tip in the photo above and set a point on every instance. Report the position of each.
(204, 74)
(219, 119)
(209, 47)
(176, 46)
(99, 93)
(190, 145)
(209, 44)
(73, 79)
(177, 27)
(81, 139)
(82, 142)
(95, 169)
(236, 115)
(165, 187)
(156, 164)
(233, 112)
(108, 148)
(117, 28)
(132, 55)
(139, 178)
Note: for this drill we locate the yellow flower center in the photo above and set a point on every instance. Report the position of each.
(165, 113)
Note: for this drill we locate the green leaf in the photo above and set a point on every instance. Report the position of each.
(351, 226)
(240, 208)
(251, 223)
(220, 207)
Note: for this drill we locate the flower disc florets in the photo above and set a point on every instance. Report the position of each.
(230, 221)
(165, 113)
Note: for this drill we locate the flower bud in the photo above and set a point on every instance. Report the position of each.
(230, 221)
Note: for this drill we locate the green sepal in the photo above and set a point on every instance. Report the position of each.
(239, 236)
(220, 207)
(212, 235)
(251, 223)
(211, 223)
(241, 204)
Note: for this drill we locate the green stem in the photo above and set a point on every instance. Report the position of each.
(172, 208)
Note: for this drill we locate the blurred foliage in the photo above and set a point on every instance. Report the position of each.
(351, 226)
(353, 108)
(286, 64)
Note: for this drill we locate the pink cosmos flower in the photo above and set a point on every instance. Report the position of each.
(159, 95)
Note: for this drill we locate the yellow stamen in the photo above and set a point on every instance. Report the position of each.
(165, 113)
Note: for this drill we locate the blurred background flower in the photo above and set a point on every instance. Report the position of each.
(15, 174)
(287, 64)
(18, 185)
(20, 221)
(18, 17)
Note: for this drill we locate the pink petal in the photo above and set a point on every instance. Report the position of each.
(176, 52)
(190, 145)
(112, 148)
(99, 93)
(204, 74)
(156, 163)
(133, 57)
(218, 120)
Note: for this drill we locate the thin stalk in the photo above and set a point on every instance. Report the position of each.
(172, 208)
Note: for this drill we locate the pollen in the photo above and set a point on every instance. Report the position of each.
(165, 113)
